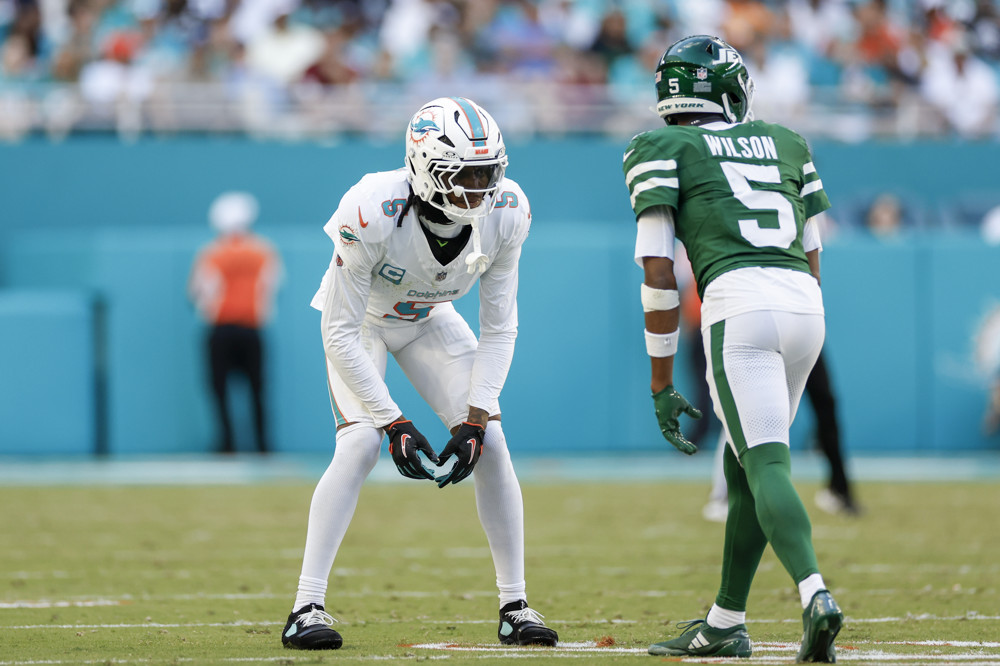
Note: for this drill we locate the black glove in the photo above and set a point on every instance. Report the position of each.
(466, 446)
(404, 443)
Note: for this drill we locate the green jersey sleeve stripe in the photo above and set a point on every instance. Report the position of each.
(809, 188)
(646, 167)
(809, 168)
(651, 184)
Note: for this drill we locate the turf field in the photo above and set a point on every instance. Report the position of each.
(206, 574)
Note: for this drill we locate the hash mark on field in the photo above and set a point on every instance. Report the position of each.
(764, 653)
(773, 652)
(421, 594)
(145, 625)
(770, 650)
(576, 621)
(972, 615)
(44, 603)
(588, 646)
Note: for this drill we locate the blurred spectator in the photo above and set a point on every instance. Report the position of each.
(21, 51)
(837, 497)
(407, 24)
(781, 82)
(990, 228)
(215, 56)
(880, 64)
(573, 24)
(884, 218)
(938, 24)
(820, 25)
(984, 29)
(332, 67)
(285, 50)
(16, 61)
(700, 18)
(747, 21)
(611, 42)
(821, 28)
(80, 46)
(962, 88)
(986, 347)
(232, 283)
(251, 18)
(518, 41)
(866, 62)
(116, 87)
(991, 422)
(879, 39)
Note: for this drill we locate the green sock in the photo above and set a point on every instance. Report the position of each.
(745, 541)
(780, 511)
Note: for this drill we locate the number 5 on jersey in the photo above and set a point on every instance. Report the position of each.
(740, 175)
(411, 310)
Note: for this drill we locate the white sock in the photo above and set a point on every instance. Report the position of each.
(809, 586)
(509, 593)
(333, 504)
(311, 591)
(501, 512)
(720, 618)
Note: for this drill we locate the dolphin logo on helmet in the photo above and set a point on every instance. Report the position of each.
(455, 157)
(421, 127)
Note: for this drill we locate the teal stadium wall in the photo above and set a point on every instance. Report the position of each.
(100, 350)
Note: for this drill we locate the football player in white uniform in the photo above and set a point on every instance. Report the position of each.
(407, 243)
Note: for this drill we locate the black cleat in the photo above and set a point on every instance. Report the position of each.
(520, 625)
(308, 628)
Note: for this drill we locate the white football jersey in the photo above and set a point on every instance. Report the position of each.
(407, 282)
(384, 274)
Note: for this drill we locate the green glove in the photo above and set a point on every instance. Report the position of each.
(669, 406)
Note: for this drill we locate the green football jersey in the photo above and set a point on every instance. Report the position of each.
(741, 194)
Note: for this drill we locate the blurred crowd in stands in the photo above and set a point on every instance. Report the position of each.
(850, 69)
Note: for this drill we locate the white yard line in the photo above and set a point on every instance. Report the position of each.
(578, 621)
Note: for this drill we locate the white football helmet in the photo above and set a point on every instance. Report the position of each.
(455, 157)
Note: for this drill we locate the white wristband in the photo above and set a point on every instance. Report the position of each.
(659, 345)
(658, 299)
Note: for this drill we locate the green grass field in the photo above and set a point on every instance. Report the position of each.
(203, 575)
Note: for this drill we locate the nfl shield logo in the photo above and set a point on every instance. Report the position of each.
(701, 73)
(441, 276)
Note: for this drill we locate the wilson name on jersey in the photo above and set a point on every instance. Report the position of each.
(741, 193)
(407, 280)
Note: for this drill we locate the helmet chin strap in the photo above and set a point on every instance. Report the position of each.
(476, 261)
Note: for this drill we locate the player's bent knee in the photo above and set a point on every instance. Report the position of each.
(360, 442)
(495, 443)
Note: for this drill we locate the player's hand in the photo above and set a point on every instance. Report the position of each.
(669, 406)
(466, 446)
(405, 441)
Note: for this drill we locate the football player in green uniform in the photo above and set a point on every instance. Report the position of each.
(739, 194)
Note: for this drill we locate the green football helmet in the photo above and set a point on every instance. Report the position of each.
(703, 74)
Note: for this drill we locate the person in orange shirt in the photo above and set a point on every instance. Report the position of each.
(232, 283)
